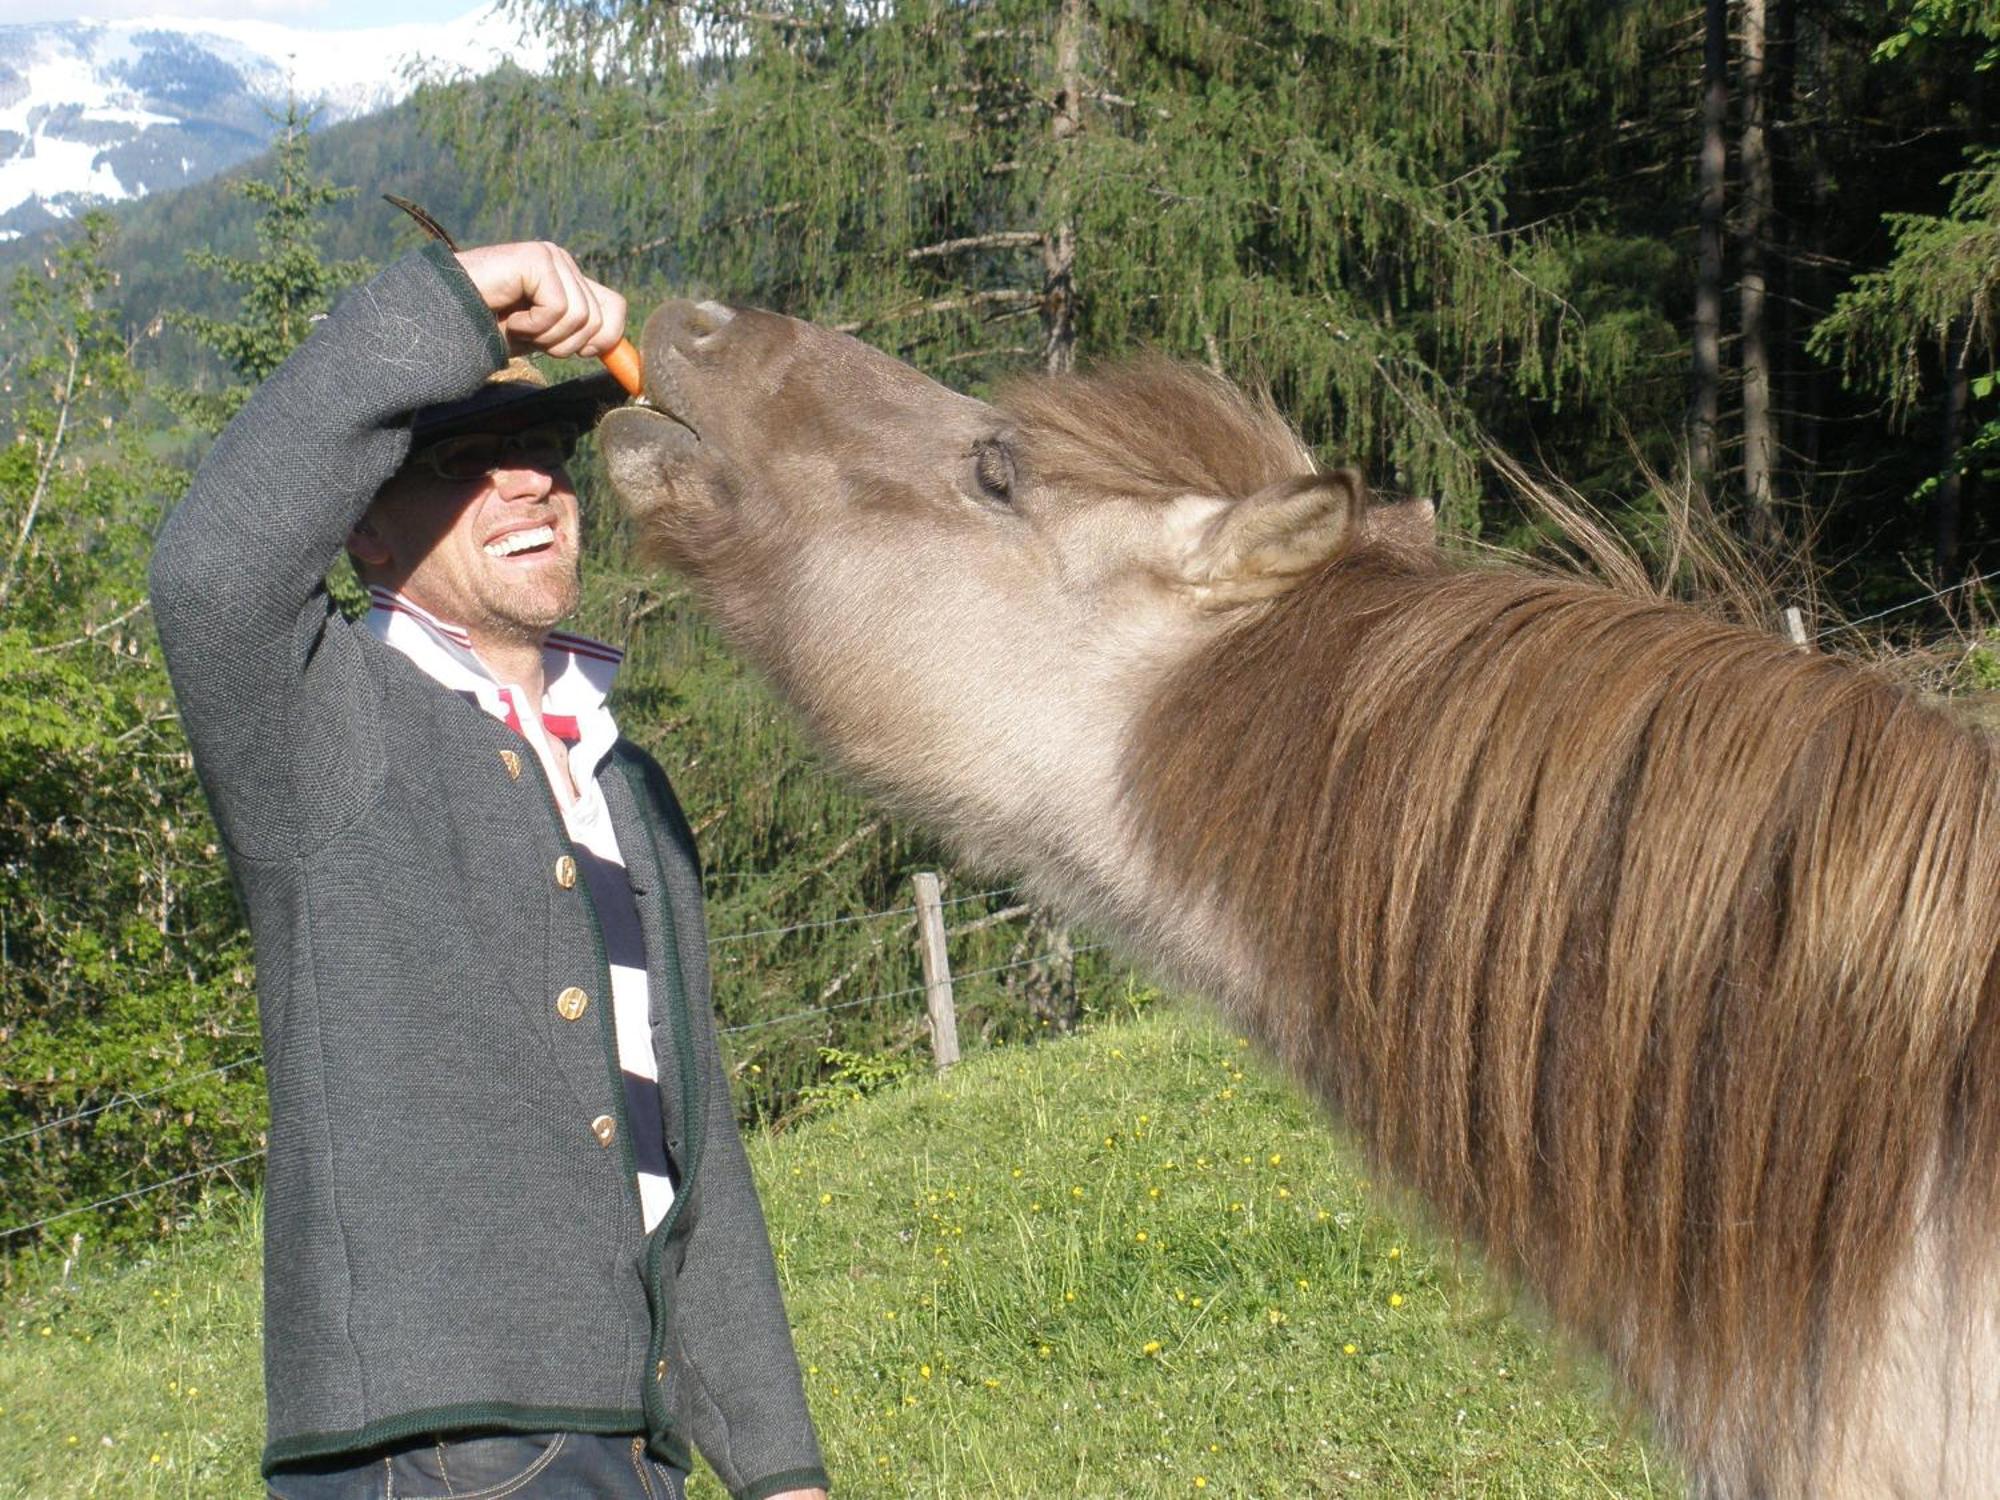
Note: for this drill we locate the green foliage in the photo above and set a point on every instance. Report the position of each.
(284, 286)
(1933, 301)
(851, 1077)
(1979, 669)
(122, 968)
(1944, 273)
(1927, 25)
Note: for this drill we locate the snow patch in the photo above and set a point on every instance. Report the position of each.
(93, 88)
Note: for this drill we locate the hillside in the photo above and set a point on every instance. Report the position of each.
(96, 111)
(1126, 1263)
(383, 152)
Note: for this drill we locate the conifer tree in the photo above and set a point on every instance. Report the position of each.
(1928, 318)
(283, 286)
(1307, 197)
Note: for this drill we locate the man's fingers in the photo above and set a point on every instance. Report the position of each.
(579, 317)
(543, 300)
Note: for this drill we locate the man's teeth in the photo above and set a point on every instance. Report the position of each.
(521, 541)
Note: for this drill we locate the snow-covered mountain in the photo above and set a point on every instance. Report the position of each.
(97, 111)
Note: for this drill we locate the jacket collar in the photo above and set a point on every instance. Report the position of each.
(577, 676)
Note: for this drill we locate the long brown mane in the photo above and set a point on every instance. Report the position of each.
(1659, 956)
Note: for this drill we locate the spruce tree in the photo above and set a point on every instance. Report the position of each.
(1310, 198)
(283, 286)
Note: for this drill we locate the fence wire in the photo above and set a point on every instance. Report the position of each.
(119, 1100)
(817, 1010)
(1895, 609)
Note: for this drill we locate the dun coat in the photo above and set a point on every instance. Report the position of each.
(1660, 957)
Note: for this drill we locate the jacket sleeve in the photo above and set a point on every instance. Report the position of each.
(272, 691)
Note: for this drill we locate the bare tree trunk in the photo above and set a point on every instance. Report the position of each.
(1059, 244)
(1948, 500)
(1760, 448)
(1708, 274)
(1799, 58)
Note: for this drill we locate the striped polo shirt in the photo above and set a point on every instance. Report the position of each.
(573, 721)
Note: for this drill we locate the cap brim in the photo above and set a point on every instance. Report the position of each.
(510, 407)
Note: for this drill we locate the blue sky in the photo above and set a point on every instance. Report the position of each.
(312, 14)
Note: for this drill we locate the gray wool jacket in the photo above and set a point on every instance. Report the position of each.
(447, 1245)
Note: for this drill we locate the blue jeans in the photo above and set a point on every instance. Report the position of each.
(490, 1466)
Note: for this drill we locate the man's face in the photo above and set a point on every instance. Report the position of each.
(495, 552)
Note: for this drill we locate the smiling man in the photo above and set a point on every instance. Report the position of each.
(511, 1241)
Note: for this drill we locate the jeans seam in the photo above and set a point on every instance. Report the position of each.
(506, 1487)
(638, 1450)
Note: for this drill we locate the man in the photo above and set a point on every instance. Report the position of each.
(512, 1245)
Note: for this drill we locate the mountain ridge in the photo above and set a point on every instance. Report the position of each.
(94, 113)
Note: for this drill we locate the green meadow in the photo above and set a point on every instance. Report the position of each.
(1131, 1262)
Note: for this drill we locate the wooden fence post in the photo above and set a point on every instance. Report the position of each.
(937, 970)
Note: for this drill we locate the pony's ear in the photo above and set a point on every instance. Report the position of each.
(1404, 523)
(1259, 547)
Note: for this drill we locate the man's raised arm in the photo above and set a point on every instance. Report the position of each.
(237, 578)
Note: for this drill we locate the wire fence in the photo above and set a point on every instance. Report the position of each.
(123, 1100)
(1895, 609)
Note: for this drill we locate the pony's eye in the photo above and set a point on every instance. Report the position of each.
(993, 470)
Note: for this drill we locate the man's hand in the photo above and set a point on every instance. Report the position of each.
(543, 300)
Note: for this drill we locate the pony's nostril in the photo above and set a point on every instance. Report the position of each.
(703, 320)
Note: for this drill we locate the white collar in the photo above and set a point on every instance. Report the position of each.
(577, 674)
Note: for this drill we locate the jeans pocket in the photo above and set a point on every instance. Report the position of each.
(487, 1467)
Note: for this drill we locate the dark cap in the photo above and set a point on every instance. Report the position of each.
(516, 397)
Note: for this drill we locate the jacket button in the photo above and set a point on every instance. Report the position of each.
(605, 1129)
(572, 1003)
(660, 1370)
(566, 872)
(513, 764)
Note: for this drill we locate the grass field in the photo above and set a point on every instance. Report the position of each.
(1126, 1264)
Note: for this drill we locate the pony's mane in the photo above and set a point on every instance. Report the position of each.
(1659, 956)
(1151, 428)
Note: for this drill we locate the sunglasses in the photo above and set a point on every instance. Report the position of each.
(474, 455)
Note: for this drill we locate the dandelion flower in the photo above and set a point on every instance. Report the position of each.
(1395, 1299)
(1349, 1349)
(1152, 1346)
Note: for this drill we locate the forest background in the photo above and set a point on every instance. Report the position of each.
(1743, 247)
